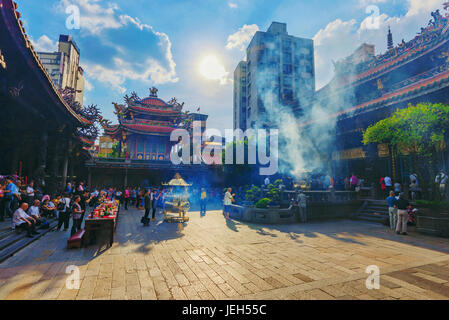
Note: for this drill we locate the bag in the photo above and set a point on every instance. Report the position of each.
(61, 206)
(45, 225)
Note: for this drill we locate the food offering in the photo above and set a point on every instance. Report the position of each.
(106, 210)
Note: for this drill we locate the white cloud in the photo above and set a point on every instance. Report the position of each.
(340, 38)
(242, 37)
(232, 5)
(96, 19)
(44, 44)
(370, 2)
(93, 17)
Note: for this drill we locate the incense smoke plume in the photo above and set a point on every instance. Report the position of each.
(306, 137)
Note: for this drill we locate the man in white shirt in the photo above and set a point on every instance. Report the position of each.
(302, 203)
(267, 181)
(227, 202)
(388, 183)
(20, 220)
(30, 193)
(34, 212)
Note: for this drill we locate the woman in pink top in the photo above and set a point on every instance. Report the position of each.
(126, 195)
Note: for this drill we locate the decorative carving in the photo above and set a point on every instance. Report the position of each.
(15, 91)
(153, 92)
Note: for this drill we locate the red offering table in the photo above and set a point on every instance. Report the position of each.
(102, 219)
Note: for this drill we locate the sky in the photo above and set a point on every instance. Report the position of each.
(189, 49)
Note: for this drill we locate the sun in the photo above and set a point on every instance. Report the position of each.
(211, 68)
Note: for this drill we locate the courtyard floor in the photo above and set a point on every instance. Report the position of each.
(210, 258)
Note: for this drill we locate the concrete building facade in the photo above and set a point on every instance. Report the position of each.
(279, 70)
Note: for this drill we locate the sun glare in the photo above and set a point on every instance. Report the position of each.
(212, 69)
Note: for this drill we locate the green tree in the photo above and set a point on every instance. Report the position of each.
(420, 129)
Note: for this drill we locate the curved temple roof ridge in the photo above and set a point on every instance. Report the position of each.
(426, 39)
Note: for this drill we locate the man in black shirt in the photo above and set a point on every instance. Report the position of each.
(402, 204)
(148, 199)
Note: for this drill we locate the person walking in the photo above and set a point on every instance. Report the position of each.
(302, 203)
(76, 215)
(402, 205)
(203, 202)
(148, 198)
(63, 212)
(392, 210)
(126, 197)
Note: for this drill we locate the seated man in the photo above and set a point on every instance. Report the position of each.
(34, 212)
(23, 221)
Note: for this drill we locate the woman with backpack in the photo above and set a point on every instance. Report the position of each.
(64, 212)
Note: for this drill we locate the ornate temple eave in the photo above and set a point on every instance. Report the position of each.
(13, 25)
(428, 85)
(430, 39)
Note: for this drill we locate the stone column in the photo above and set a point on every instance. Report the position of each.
(89, 179)
(39, 175)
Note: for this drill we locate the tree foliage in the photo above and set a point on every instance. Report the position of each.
(421, 128)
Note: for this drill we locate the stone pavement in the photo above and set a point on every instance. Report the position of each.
(210, 258)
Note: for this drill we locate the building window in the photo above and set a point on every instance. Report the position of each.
(287, 69)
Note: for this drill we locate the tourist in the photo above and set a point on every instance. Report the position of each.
(414, 177)
(402, 205)
(397, 188)
(34, 212)
(2, 201)
(203, 202)
(147, 199)
(302, 203)
(68, 188)
(388, 183)
(161, 203)
(154, 203)
(77, 214)
(392, 210)
(414, 189)
(133, 196)
(383, 188)
(126, 197)
(21, 220)
(12, 196)
(354, 181)
(48, 209)
(267, 181)
(441, 181)
(64, 212)
(30, 193)
(86, 198)
(227, 202)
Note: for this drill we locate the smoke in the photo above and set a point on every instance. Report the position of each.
(307, 133)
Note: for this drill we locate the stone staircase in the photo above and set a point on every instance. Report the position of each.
(373, 211)
(12, 241)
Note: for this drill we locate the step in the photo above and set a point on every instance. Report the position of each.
(370, 219)
(24, 241)
(14, 237)
(375, 211)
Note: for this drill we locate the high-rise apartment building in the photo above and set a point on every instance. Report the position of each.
(279, 70)
(63, 66)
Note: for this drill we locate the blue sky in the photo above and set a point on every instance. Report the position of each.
(136, 44)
